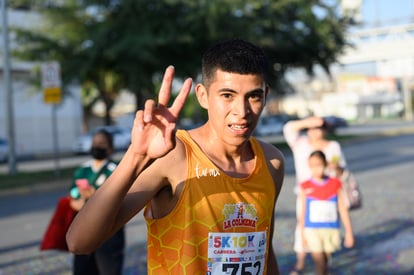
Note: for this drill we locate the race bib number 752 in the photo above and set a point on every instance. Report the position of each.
(236, 253)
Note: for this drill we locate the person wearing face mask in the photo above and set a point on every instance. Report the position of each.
(108, 258)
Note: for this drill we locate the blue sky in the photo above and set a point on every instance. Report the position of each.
(387, 11)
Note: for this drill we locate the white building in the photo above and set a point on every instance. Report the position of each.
(373, 79)
(32, 121)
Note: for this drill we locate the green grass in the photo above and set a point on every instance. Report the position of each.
(21, 179)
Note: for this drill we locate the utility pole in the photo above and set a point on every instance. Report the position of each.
(408, 107)
(8, 90)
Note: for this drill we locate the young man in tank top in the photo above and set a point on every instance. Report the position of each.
(209, 193)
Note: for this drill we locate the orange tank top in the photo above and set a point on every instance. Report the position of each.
(220, 224)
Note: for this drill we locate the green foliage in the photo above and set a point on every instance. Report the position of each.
(127, 44)
(30, 179)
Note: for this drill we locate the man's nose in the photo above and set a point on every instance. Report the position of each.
(242, 108)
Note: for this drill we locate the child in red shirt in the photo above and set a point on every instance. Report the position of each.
(322, 199)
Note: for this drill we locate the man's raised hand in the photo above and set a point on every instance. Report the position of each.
(153, 132)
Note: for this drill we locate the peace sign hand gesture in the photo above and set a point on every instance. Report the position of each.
(153, 133)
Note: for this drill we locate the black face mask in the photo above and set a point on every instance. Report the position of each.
(98, 153)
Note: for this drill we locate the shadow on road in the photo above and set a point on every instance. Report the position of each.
(376, 252)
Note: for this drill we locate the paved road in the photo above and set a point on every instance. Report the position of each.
(384, 228)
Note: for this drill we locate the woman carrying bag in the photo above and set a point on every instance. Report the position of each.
(107, 259)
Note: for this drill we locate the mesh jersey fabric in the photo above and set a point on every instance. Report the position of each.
(211, 201)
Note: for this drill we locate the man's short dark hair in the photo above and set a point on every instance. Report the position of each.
(234, 56)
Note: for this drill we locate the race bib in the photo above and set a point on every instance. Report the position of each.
(322, 211)
(236, 253)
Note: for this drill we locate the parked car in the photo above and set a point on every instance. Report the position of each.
(188, 124)
(4, 150)
(272, 124)
(333, 122)
(121, 136)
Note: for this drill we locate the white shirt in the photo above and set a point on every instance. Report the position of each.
(302, 148)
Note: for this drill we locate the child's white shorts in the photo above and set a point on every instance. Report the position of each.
(326, 240)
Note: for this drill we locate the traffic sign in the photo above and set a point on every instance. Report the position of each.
(51, 82)
(52, 95)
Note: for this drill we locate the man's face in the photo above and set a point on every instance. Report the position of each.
(234, 103)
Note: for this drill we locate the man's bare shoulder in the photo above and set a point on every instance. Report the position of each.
(176, 157)
(271, 151)
(276, 163)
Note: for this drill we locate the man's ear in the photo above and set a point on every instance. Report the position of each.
(202, 95)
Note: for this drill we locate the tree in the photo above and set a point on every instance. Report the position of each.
(127, 44)
(293, 33)
(76, 37)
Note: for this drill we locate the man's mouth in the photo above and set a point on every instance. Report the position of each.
(238, 126)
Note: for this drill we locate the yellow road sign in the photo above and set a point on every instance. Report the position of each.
(52, 95)
(51, 82)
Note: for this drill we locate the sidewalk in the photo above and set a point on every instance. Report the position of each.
(362, 130)
(43, 164)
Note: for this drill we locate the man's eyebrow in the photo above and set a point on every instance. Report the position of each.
(255, 91)
(227, 90)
